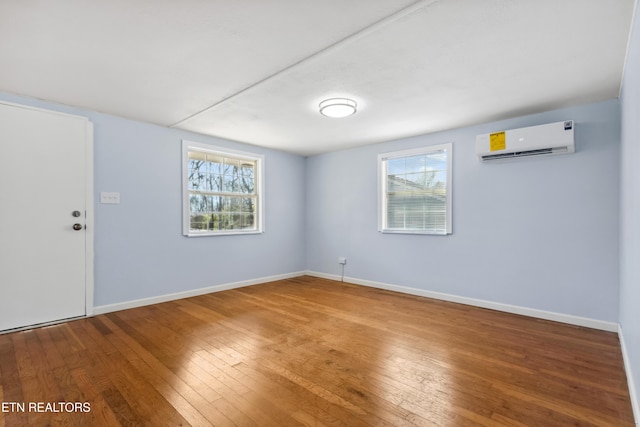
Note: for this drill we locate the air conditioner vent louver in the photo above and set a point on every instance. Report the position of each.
(550, 139)
(540, 152)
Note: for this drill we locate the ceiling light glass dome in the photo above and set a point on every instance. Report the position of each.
(338, 107)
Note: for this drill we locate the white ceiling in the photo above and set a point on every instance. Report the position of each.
(255, 70)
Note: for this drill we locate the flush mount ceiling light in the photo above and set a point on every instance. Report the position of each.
(338, 107)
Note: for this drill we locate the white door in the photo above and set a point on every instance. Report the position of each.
(43, 181)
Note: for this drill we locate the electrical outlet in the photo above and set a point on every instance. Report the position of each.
(342, 260)
(112, 198)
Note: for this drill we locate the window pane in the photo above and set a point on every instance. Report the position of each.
(246, 185)
(415, 163)
(215, 163)
(227, 183)
(215, 183)
(247, 169)
(198, 222)
(197, 203)
(395, 166)
(415, 181)
(196, 174)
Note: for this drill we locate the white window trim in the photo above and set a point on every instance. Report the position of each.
(211, 149)
(382, 187)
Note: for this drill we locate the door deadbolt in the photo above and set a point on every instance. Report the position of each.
(77, 226)
(76, 214)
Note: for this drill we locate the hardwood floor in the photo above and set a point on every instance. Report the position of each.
(309, 351)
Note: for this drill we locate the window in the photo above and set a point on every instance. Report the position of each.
(222, 191)
(415, 191)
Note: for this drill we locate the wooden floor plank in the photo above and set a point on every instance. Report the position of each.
(176, 394)
(315, 352)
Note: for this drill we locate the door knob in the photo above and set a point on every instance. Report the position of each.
(77, 226)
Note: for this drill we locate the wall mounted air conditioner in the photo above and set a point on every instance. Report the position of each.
(549, 139)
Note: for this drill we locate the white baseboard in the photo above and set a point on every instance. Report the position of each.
(635, 403)
(102, 309)
(525, 311)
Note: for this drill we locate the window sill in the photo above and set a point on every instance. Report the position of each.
(223, 233)
(420, 232)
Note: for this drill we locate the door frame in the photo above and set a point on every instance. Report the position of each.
(89, 203)
(89, 220)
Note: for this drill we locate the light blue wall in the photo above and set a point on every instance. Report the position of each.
(539, 233)
(139, 249)
(630, 212)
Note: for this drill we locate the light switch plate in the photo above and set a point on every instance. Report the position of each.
(112, 198)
